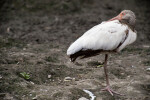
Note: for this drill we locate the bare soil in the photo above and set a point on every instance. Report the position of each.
(34, 37)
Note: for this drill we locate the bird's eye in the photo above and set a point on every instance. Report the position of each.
(123, 13)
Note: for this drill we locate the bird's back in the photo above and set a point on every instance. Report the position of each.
(106, 36)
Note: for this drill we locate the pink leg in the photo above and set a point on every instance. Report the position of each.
(107, 88)
(112, 92)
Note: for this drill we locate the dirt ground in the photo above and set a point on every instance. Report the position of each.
(34, 37)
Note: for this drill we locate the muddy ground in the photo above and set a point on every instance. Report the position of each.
(34, 37)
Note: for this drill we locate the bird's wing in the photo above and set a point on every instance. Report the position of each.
(130, 39)
(105, 36)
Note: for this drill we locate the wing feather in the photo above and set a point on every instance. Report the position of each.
(105, 36)
(130, 39)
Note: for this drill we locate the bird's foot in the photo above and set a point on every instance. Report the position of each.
(112, 92)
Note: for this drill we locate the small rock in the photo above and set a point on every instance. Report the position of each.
(47, 28)
(68, 79)
(122, 73)
(49, 76)
(83, 98)
(73, 79)
(133, 66)
(17, 63)
(128, 76)
(1, 77)
(32, 82)
(146, 46)
(8, 29)
(148, 69)
(24, 48)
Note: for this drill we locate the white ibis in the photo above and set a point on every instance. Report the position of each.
(108, 37)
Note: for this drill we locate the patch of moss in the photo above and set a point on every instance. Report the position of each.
(39, 74)
(94, 63)
(44, 97)
(51, 59)
(118, 72)
(146, 63)
(40, 62)
(13, 89)
(57, 95)
(10, 83)
(9, 42)
(8, 61)
(147, 51)
(132, 49)
(146, 87)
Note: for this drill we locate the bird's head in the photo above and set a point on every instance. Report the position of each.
(126, 16)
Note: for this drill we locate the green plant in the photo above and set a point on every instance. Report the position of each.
(25, 75)
(100, 65)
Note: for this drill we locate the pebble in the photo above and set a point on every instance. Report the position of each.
(133, 66)
(1, 77)
(146, 46)
(49, 76)
(8, 29)
(69, 79)
(32, 82)
(24, 48)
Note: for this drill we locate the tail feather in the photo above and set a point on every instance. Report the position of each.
(84, 54)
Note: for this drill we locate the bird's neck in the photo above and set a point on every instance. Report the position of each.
(132, 27)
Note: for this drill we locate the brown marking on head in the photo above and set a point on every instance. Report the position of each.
(127, 17)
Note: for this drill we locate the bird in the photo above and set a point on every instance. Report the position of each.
(108, 37)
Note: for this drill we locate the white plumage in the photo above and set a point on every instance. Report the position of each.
(110, 36)
(105, 36)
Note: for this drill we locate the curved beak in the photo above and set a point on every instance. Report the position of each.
(116, 18)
